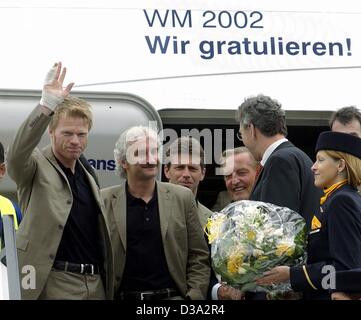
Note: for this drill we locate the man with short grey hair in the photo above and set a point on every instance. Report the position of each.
(158, 243)
(286, 179)
(239, 170)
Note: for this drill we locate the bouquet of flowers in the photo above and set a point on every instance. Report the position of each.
(251, 237)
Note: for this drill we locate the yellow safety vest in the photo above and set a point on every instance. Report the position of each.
(7, 208)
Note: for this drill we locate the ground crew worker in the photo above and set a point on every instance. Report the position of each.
(7, 207)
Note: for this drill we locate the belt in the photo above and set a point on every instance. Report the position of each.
(148, 295)
(82, 268)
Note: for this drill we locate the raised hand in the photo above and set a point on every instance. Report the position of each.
(53, 91)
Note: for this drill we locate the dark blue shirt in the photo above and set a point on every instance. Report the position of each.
(80, 242)
(146, 266)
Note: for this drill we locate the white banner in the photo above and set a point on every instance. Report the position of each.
(123, 45)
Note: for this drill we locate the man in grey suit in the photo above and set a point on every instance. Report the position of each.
(185, 167)
(158, 242)
(63, 241)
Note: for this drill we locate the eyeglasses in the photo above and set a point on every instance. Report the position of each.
(239, 136)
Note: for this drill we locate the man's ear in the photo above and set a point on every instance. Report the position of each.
(203, 174)
(166, 171)
(123, 164)
(2, 170)
(254, 130)
(51, 134)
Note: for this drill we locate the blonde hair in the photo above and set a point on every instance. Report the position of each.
(72, 107)
(352, 164)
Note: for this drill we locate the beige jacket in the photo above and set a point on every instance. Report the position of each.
(45, 199)
(204, 213)
(185, 248)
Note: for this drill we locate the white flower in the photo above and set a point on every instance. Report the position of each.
(241, 270)
(257, 252)
(250, 237)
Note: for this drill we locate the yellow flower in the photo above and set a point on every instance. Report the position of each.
(290, 251)
(234, 263)
(213, 228)
(251, 235)
(285, 249)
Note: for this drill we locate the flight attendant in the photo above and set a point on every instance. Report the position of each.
(335, 237)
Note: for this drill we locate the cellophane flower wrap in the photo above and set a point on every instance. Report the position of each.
(250, 237)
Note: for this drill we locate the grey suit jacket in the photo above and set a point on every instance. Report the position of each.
(184, 245)
(45, 198)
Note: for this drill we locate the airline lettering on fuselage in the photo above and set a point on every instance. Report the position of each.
(102, 164)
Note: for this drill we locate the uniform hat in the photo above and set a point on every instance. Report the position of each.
(338, 141)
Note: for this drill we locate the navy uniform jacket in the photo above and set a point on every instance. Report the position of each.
(287, 181)
(348, 281)
(337, 242)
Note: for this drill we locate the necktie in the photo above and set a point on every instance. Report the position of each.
(331, 189)
(258, 171)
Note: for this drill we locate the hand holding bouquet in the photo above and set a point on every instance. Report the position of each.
(251, 237)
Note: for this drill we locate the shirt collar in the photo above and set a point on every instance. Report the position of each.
(131, 198)
(330, 190)
(270, 150)
(68, 171)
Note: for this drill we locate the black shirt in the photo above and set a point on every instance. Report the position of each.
(146, 266)
(80, 242)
